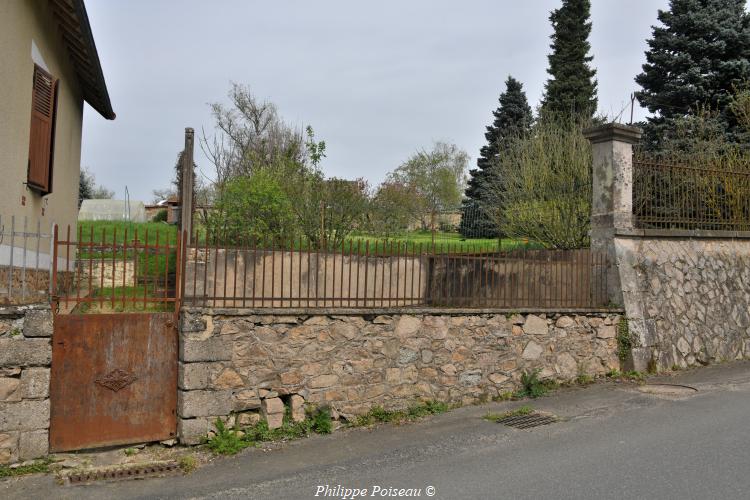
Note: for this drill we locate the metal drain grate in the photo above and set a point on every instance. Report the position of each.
(121, 473)
(527, 421)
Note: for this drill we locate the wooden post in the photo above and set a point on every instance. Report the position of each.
(188, 181)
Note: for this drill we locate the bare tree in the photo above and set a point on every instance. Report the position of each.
(249, 135)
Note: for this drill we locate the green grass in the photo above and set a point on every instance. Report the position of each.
(106, 306)
(36, 467)
(496, 417)
(444, 242)
(153, 266)
(378, 414)
(115, 231)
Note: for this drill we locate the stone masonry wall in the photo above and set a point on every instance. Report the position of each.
(235, 364)
(25, 357)
(687, 301)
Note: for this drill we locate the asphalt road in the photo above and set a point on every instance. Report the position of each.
(614, 442)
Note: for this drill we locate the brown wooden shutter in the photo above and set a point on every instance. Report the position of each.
(41, 143)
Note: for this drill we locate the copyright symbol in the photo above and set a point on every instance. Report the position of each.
(430, 491)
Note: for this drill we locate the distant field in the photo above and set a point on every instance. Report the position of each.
(443, 241)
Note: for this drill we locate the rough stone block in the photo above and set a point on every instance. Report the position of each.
(407, 326)
(10, 389)
(33, 444)
(275, 420)
(323, 381)
(192, 376)
(8, 447)
(247, 419)
(534, 325)
(297, 404)
(211, 349)
(272, 405)
(25, 415)
(35, 383)
(25, 352)
(228, 379)
(192, 323)
(192, 431)
(203, 403)
(245, 400)
(532, 350)
(606, 332)
(38, 323)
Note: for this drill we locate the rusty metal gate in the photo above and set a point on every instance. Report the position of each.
(114, 347)
(113, 379)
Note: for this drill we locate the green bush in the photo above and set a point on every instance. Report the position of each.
(161, 216)
(252, 208)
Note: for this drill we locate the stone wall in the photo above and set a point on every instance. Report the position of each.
(25, 357)
(234, 362)
(687, 300)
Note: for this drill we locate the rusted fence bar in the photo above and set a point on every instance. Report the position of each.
(104, 275)
(365, 274)
(670, 195)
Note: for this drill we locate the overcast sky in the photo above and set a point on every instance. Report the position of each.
(376, 80)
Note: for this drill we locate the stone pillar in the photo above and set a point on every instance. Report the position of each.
(612, 197)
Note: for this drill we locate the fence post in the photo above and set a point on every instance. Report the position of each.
(188, 181)
(612, 194)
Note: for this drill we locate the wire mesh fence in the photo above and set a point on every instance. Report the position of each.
(384, 274)
(669, 195)
(25, 263)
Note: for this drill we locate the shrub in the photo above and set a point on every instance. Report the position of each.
(541, 186)
(161, 216)
(252, 208)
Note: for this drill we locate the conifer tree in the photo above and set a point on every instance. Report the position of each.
(512, 119)
(571, 88)
(697, 57)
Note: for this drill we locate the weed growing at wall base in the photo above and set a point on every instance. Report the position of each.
(228, 441)
(379, 414)
(532, 386)
(36, 467)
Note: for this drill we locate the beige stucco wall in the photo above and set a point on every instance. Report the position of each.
(21, 22)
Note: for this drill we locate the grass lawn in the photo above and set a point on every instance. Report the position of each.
(116, 231)
(130, 293)
(444, 242)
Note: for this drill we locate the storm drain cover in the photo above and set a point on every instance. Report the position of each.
(668, 390)
(119, 473)
(527, 421)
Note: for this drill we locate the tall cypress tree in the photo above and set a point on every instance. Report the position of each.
(571, 88)
(512, 119)
(697, 57)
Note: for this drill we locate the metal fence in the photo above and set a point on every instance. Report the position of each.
(25, 264)
(669, 195)
(383, 274)
(115, 271)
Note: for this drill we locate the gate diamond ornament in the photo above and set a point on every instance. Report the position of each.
(116, 379)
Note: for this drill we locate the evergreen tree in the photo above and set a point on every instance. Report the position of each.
(511, 119)
(696, 58)
(572, 84)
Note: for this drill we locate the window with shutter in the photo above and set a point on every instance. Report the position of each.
(42, 143)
